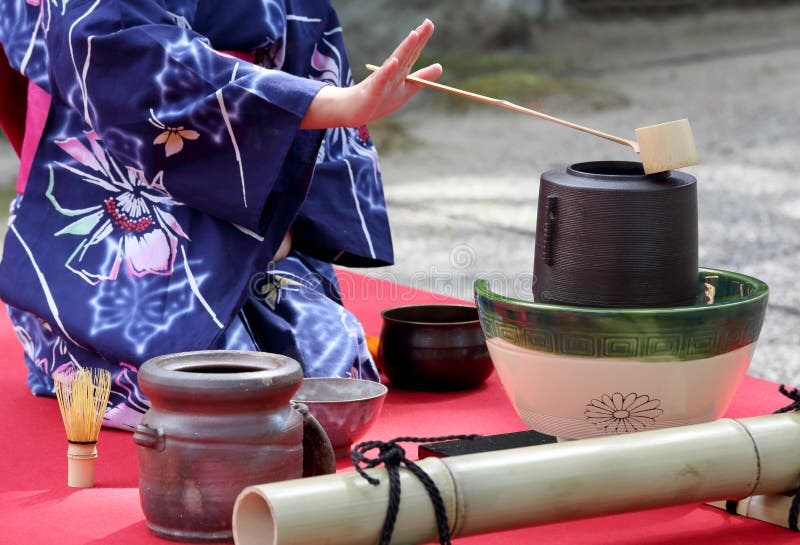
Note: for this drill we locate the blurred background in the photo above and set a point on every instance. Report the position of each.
(461, 179)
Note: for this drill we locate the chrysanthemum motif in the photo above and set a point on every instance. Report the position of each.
(622, 414)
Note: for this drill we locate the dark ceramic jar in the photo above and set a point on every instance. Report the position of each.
(607, 235)
(220, 421)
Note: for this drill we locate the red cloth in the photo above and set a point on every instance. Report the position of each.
(36, 506)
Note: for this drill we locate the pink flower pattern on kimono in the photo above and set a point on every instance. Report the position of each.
(351, 140)
(57, 359)
(327, 67)
(133, 224)
(127, 404)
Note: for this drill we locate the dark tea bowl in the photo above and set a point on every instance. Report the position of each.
(346, 408)
(433, 348)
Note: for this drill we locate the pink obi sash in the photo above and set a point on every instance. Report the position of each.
(35, 119)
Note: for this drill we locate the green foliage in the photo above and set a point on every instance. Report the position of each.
(529, 88)
(516, 85)
(7, 183)
(8, 191)
(459, 66)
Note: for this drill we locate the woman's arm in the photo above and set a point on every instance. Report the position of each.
(383, 92)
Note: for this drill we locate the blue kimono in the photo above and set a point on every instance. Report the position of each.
(169, 167)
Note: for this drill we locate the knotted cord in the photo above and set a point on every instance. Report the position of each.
(392, 456)
(794, 406)
(794, 395)
(794, 509)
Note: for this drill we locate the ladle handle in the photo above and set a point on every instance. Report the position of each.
(516, 108)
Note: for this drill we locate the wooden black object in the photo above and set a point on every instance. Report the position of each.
(486, 443)
(608, 235)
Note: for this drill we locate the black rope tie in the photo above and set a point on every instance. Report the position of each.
(794, 510)
(792, 394)
(392, 456)
(794, 406)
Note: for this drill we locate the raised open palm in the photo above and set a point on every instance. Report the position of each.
(381, 93)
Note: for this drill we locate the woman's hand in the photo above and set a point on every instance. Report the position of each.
(381, 93)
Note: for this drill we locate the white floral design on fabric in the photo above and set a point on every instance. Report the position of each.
(269, 286)
(341, 142)
(133, 224)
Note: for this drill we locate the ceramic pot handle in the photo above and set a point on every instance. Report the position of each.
(318, 456)
(551, 211)
(145, 436)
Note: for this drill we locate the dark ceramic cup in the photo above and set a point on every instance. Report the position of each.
(607, 235)
(433, 348)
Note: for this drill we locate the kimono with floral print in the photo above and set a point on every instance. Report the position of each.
(166, 169)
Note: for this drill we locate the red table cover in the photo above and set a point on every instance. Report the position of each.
(37, 507)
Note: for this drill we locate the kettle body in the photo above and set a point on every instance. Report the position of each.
(608, 235)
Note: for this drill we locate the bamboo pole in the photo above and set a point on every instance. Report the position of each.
(769, 508)
(488, 492)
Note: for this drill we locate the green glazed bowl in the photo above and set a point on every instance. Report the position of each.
(583, 371)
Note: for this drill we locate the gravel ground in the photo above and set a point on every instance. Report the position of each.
(463, 203)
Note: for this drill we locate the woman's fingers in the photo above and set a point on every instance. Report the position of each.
(383, 75)
(406, 47)
(376, 88)
(386, 89)
(424, 32)
(430, 73)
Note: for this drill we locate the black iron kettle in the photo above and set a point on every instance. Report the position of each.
(608, 235)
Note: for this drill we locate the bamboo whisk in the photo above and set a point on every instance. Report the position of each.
(82, 398)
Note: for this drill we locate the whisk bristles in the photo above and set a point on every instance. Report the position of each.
(82, 398)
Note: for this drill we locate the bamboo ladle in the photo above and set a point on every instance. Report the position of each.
(665, 146)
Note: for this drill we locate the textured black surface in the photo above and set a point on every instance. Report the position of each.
(487, 443)
(609, 236)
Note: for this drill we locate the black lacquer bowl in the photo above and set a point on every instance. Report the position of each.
(433, 348)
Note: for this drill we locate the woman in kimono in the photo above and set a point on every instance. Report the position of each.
(178, 189)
